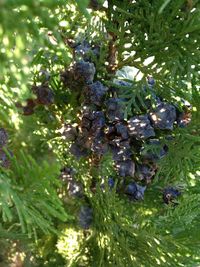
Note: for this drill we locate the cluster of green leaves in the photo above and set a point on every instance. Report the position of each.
(33, 201)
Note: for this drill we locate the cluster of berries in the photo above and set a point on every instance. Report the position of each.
(44, 96)
(4, 159)
(102, 127)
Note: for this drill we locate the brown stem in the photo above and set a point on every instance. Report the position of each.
(112, 53)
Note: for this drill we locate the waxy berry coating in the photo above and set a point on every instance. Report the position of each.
(115, 109)
(135, 191)
(140, 127)
(126, 168)
(84, 71)
(163, 116)
(95, 93)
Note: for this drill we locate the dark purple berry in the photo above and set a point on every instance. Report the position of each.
(145, 172)
(82, 49)
(163, 116)
(122, 130)
(4, 159)
(135, 191)
(3, 137)
(115, 109)
(84, 71)
(85, 217)
(99, 145)
(45, 95)
(170, 194)
(150, 80)
(121, 150)
(87, 118)
(110, 131)
(139, 127)
(121, 154)
(92, 122)
(95, 93)
(86, 51)
(111, 182)
(126, 168)
(98, 122)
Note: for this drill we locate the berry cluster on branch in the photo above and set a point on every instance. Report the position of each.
(102, 128)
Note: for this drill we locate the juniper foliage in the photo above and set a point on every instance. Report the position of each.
(131, 41)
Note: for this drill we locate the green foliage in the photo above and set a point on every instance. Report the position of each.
(158, 38)
(27, 192)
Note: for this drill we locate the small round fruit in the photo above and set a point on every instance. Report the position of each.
(3, 137)
(170, 194)
(163, 116)
(140, 128)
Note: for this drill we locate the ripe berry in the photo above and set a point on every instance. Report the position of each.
(121, 150)
(98, 122)
(140, 127)
(163, 116)
(3, 137)
(170, 194)
(99, 146)
(86, 51)
(95, 93)
(111, 182)
(4, 159)
(45, 95)
(115, 109)
(84, 71)
(150, 80)
(122, 130)
(126, 168)
(135, 191)
(85, 217)
(145, 172)
(82, 49)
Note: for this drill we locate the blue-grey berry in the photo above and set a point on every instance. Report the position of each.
(140, 128)
(163, 116)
